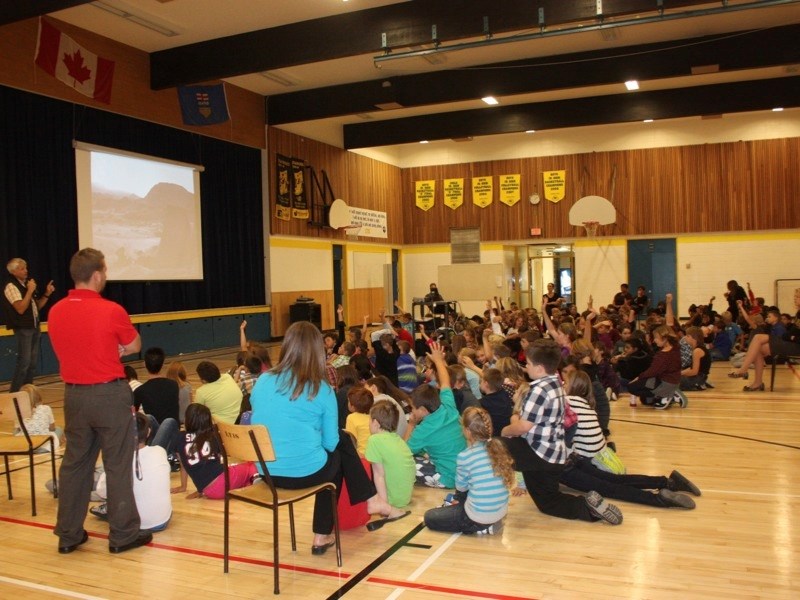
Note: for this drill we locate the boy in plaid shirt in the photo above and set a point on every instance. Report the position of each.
(535, 439)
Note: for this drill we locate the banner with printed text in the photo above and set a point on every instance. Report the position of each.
(509, 189)
(372, 222)
(425, 194)
(555, 184)
(482, 191)
(299, 198)
(454, 192)
(283, 195)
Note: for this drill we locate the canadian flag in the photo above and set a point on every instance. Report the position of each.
(60, 56)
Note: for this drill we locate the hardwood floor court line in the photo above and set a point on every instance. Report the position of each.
(433, 557)
(47, 588)
(365, 572)
(743, 493)
(444, 590)
(729, 435)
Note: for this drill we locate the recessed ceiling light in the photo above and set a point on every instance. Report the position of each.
(531, 131)
(648, 121)
(632, 85)
(491, 100)
(424, 142)
(777, 109)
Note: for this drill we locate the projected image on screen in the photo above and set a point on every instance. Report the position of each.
(143, 214)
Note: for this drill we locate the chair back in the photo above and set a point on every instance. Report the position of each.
(14, 408)
(244, 442)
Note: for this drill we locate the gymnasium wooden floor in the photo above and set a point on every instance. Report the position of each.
(742, 540)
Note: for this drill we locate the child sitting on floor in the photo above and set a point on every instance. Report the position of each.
(200, 458)
(359, 401)
(393, 467)
(434, 433)
(484, 474)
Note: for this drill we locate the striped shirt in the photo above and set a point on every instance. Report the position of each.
(487, 501)
(589, 438)
(544, 407)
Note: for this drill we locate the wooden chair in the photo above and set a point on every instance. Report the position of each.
(14, 409)
(790, 359)
(251, 443)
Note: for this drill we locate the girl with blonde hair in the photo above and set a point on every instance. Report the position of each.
(484, 468)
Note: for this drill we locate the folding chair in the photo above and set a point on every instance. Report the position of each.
(251, 443)
(790, 359)
(14, 409)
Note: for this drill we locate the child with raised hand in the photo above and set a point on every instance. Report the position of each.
(199, 452)
(393, 467)
(484, 474)
(434, 432)
(359, 402)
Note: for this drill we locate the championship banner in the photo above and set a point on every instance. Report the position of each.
(555, 184)
(509, 189)
(283, 195)
(482, 191)
(299, 199)
(453, 192)
(425, 193)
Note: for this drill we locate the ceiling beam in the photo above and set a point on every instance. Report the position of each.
(731, 51)
(12, 11)
(600, 110)
(351, 34)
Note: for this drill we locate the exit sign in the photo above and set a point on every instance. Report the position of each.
(536, 231)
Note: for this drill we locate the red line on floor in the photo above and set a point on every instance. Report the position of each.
(298, 568)
(446, 590)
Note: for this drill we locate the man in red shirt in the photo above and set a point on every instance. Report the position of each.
(89, 335)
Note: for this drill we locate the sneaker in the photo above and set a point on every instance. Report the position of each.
(663, 403)
(50, 485)
(632, 401)
(493, 529)
(708, 386)
(602, 509)
(612, 445)
(681, 399)
(679, 483)
(257, 478)
(100, 511)
(675, 499)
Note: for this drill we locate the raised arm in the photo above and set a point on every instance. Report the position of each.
(243, 336)
(548, 323)
(669, 318)
(746, 314)
(587, 325)
(437, 357)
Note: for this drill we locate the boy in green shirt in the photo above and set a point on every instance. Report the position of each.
(393, 467)
(434, 428)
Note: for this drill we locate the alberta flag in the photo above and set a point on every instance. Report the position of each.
(60, 56)
(203, 104)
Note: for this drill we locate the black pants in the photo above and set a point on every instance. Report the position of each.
(343, 463)
(542, 479)
(584, 476)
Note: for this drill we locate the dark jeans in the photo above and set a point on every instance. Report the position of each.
(162, 434)
(584, 476)
(27, 356)
(541, 479)
(452, 518)
(343, 463)
(602, 406)
(98, 417)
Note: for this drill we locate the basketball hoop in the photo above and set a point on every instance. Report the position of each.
(591, 228)
(352, 231)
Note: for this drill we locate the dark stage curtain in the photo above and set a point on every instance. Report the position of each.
(38, 206)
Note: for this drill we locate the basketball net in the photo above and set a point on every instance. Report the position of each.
(591, 228)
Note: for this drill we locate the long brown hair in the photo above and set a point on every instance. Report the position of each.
(479, 424)
(302, 360)
(579, 384)
(177, 372)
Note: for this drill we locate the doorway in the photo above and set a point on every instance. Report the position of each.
(653, 264)
(537, 265)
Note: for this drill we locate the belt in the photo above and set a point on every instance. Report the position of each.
(98, 383)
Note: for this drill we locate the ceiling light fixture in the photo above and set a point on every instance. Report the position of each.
(647, 121)
(279, 77)
(142, 21)
(490, 100)
(777, 109)
(531, 131)
(632, 85)
(424, 142)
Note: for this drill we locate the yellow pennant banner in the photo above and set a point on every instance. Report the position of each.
(555, 184)
(453, 192)
(425, 194)
(509, 189)
(482, 191)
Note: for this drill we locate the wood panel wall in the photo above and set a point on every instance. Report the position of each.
(131, 94)
(361, 302)
(359, 181)
(741, 186)
(281, 301)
